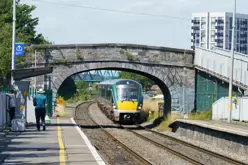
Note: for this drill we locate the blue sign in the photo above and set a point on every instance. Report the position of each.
(19, 49)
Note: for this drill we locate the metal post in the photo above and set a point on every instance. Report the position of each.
(232, 59)
(13, 40)
(35, 67)
(49, 82)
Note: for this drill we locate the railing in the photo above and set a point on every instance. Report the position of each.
(217, 63)
(4, 115)
(31, 92)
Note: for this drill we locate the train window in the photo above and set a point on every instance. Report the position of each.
(128, 94)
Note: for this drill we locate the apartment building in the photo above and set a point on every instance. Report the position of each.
(214, 29)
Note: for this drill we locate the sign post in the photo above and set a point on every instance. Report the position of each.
(19, 51)
(160, 109)
(246, 92)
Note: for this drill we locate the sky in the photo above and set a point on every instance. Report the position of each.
(65, 24)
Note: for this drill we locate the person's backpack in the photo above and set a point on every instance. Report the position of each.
(34, 101)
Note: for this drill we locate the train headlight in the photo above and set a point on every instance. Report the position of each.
(139, 108)
(114, 107)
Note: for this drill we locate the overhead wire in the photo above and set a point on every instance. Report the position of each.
(115, 10)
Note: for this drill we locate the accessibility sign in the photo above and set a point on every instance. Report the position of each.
(19, 49)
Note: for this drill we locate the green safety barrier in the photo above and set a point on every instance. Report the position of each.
(4, 90)
(49, 94)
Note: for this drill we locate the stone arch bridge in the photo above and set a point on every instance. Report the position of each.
(171, 69)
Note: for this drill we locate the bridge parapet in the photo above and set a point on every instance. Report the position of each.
(115, 52)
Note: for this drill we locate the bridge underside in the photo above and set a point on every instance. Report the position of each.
(171, 80)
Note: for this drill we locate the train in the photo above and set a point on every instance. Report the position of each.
(120, 99)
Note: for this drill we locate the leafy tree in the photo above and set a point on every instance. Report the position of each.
(144, 81)
(25, 32)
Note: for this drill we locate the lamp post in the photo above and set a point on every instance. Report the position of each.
(13, 41)
(35, 67)
(232, 59)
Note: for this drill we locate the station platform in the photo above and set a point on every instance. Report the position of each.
(222, 126)
(63, 142)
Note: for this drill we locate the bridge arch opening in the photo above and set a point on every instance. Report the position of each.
(61, 81)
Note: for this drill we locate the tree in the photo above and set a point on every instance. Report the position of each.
(25, 32)
(144, 81)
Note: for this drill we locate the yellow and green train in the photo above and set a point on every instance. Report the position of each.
(121, 99)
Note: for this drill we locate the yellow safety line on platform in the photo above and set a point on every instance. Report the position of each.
(61, 145)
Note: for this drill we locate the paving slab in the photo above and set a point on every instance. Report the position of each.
(61, 143)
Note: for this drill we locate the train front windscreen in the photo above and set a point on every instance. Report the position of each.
(128, 93)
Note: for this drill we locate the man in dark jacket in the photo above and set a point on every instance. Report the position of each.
(40, 103)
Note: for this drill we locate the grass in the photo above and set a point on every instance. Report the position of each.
(201, 116)
(163, 125)
(152, 105)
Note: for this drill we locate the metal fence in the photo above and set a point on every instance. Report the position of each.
(4, 115)
(239, 112)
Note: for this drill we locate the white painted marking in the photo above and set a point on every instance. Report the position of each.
(92, 149)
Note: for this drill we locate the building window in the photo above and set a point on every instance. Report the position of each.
(203, 19)
(230, 35)
(227, 46)
(203, 33)
(196, 18)
(238, 36)
(213, 19)
(212, 32)
(237, 23)
(203, 39)
(212, 38)
(237, 48)
(203, 23)
(212, 45)
(203, 45)
(230, 25)
(212, 25)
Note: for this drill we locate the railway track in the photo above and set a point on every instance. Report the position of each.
(139, 159)
(200, 149)
(172, 144)
(186, 151)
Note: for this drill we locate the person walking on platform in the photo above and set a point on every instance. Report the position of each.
(12, 104)
(40, 103)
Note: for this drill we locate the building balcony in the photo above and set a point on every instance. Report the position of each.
(219, 21)
(243, 29)
(219, 40)
(195, 28)
(219, 27)
(195, 21)
(219, 34)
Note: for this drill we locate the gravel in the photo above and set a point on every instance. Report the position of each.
(110, 152)
(148, 150)
(210, 147)
(185, 150)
